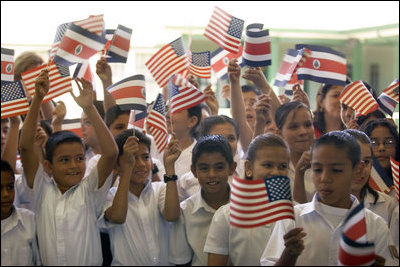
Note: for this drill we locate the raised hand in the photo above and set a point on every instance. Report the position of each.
(284, 98)
(353, 125)
(59, 112)
(42, 84)
(103, 70)
(211, 101)
(193, 80)
(294, 241)
(131, 147)
(304, 162)
(256, 76)
(171, 154)
(300, 95)
(234, 71)
(226, 92)
(85, 98)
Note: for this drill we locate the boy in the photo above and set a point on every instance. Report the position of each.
(143, 205)
(18, 233)
(336, 160)
(66, 205)
(212, 164)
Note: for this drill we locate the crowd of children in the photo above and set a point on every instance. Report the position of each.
(112, 198)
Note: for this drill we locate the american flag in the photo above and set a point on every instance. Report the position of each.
(220, 59)
(59, 76)
(13, 99)
(157, 123)
(257, 46)
(130, 94)
(357, 96)
(393, 90)
(200, 64)
(395, 173)
(354, 248)
(379, 180)
(167, 61)
(225, 30)
(260, 202)
(183, 94)
(73, 125)
(7, 65)
(119, 47)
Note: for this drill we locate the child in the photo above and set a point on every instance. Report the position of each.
(315, 240)
(268, 155)
(212, 164)
(18, 231)
(136, 213)
(66, 205)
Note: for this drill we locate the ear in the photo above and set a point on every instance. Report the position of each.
(48, 167)
(248, 172)
(193, 121)
(193, 170)
(232, 169)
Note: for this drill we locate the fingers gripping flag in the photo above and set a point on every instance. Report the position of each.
(220, 59)
(157, 123)
(7, 65)
(257, 46)
(357, 96)
(119, 46)
(260, 202)
(395, 173)
(379, 180)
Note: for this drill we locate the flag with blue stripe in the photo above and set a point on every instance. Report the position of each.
(257, 46)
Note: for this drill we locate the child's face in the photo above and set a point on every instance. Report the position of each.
(331, 103)
(68, 167)
(182, 123)
(268, 161)
(5, 126)
(366, 157)
(228, 131)
(384, 145)
(120, 124)
(347, 114)
(141, 169)
(333, 175)
(298, 130)
(212, 171)
(88, 131)
(250, 99)
(7, 194)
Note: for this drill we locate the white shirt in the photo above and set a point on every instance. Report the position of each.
(143, 239)
(308, 182)
(23, 194)
(394, 227)
(322, 240)
(183, 163)
(384, 207)
(18, 239)
(67, 223)
(189, 233)
(243, 245)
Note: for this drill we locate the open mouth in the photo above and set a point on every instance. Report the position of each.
(213, 183)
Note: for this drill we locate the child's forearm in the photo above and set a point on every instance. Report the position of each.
(171, 207)
(286, 259)
(299, 190)
(28, 130)
(10, 150)
(119, 209)
(109, 100)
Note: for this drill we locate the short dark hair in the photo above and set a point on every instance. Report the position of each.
(195, 111)
(212, 144)
(59, 138)
(376, 113)
(265, 140)
(113, 113)
(6, 167)
(46, 125)
(210, 122)
(341, 140)
(121, 138)
(250, 88)
(284, 110)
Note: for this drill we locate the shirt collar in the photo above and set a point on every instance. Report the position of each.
(311, 206)
(13, 221)
(200, 203)
(147, 188)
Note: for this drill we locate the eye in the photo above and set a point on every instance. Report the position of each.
(367, 161)
(308, 124)
(231, 138)
(337, 170)
(317, 170)
(283, 166)
(293, 126)
(80, 158)
(146, 157)
(63, 160)
(267, 165)
(220, 167)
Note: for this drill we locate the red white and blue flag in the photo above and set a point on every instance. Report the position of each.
(130, 94)
(83, 70)
(259, 202)
(357, 96)
(386, 104)
(157, 123)
(183, 95)
(119, 47)
(200, 64)
(379, 180)
(292, 82)
(395, 174)
(73, 125)
(7, 65)
(169, 60)
(225, 30)
(59, 76)
(78, 45)
(324, 65)
(13, 100)
(393, 90)
(220, 60)
(257, 46)
(354, 249)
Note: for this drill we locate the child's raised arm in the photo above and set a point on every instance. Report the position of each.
(263, 110)
(109, 150)
(103, 70)
(29, 158)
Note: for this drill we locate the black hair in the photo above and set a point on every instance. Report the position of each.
(250, 88)
(195, 111)
(341, 140)
(265, 140)
(210, 122)
(212, 144)
(205, 107)
(45, 124)
(6, 167)
(98, 104)
(364, 139)
(121, 138)
(376, 113)
(113, 113)
(59, 138)
(284, 110)
(5, 120)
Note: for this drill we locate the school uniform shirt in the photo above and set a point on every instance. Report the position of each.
(188, 234)
(18, 239)
(67, 223)
(23, 194)
(394, 227)
(183, 163)
(243, 245)
(384, 206)
(308, 182)
(323, 225)
(143, 238)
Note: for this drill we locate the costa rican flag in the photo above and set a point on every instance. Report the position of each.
(357, 96)
(157, 123)
(169, 60)
(82, 70)
(395, 173)
(260, 202)
(200, 64)
(73, 125)
(7, 65)
(183, 94)
(387, 104)
(324, 65)
(289, 85)
(13, 100)
(130, 94)
(354, 248)
(225, 30)
(257, 46)
(393, 90)
(119, 46)
(220, 59)
(379, 179)
(78, 45)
